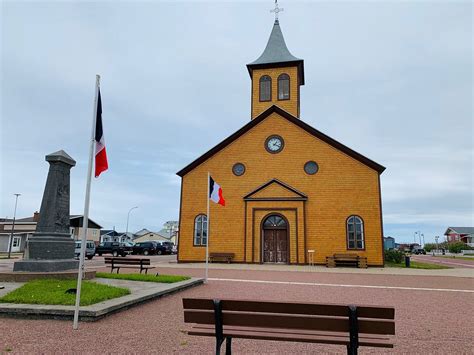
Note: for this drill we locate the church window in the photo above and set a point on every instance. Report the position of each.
(355, 233)
(200, 230)
(284, 87)
(238, 169)
(265, 88)
(274, 221)
(311, 167)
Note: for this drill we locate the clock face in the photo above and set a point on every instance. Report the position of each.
(274, 144)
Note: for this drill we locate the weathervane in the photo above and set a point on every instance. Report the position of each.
(276, 10)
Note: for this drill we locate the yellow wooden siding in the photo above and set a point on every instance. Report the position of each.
(342, 187)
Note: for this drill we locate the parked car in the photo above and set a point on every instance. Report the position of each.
(168, 247)
(418, 251)
(149, 248)
(114, 248)
(90, 249)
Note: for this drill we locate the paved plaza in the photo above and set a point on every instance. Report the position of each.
(433, 313)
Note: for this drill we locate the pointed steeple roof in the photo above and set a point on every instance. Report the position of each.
(276, 53)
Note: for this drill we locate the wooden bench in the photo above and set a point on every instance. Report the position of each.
(348, 325)
(128, 263)
(221, 256)
(346, 260)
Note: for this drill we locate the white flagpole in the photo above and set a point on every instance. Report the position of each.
(207, 229)
(86, 208)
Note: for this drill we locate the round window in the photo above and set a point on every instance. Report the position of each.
(238, 169)
(311, 168)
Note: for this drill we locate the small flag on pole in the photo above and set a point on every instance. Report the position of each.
(101, 164)
(215, 192)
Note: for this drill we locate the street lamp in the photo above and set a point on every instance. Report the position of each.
(128, 217)
(436, 238)
(13, 227)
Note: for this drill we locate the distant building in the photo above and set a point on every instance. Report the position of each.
(154, 236)
(389, 243)
(460, 234)
(93, 229)
(109, 235)
(25, 227)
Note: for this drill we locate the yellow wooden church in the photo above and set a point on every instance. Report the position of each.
(288, 187)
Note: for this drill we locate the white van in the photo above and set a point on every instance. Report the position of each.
(90, 249)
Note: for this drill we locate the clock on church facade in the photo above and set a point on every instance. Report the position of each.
(289, 188)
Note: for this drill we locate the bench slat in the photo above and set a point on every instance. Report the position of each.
(291, 308)
(266, 320)
(122, 261)
(310, 338)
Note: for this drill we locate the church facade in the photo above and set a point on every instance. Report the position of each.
(289, 188)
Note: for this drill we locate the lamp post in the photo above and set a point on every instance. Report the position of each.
(128, 218)
(436, 238)
(13, 227)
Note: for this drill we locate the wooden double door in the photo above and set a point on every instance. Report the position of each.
(275, 246)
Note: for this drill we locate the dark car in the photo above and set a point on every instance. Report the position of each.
(168, 247)
(149, 248)
(418, 251)
(114, 248)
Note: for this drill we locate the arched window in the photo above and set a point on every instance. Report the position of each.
(284, 87)
(355, 233)
(200, 230)
(265, 88)
(274, 221)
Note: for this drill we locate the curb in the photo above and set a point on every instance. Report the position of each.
(94, 312)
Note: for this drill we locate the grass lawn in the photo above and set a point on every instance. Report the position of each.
(142, 277)
(49, 291)
(470, 258)
(417, 265)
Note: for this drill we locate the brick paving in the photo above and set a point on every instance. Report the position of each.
(434, 322)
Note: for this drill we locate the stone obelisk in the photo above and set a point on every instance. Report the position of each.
(51, 247)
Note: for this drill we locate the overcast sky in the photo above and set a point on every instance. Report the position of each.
(392, 80)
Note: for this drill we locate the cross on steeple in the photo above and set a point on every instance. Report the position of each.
(276, 10)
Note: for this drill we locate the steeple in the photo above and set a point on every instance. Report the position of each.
(276, 75)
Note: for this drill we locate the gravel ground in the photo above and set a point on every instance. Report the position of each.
(433, 322)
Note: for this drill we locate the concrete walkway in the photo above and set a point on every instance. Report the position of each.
(140, 292)
(459, 272)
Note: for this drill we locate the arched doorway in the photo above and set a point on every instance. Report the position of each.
(275, 246)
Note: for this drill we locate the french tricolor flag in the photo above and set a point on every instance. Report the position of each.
(215, 192)
(100, 153)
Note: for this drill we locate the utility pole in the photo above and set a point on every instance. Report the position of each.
(13, 227)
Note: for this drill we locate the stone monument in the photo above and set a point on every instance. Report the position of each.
(51, 247)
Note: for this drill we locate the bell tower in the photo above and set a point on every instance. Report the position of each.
(276, 75)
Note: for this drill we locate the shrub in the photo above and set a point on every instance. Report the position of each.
(429, 247)
(394, 256)
(456, 247)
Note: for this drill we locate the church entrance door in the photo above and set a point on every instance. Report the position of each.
(275, 240)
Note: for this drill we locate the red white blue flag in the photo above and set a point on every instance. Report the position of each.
(215, 192)
(100, 153)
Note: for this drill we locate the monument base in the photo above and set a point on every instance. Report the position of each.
(46, 265)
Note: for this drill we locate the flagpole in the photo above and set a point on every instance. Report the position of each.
(86, 208)
(207, 230)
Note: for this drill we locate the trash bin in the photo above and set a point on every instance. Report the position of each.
(407, 261)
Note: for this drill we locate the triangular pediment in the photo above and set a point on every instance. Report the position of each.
(275, 190)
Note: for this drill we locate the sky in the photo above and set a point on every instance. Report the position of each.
(390, 79)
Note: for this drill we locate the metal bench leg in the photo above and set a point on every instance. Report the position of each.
(228, 346)
(218, 325)
(353, 331)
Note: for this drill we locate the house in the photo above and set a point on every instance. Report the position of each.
(25, 227)
(93, 229)
(389, 243)
(460, 234)
(154, 236)
(288, 187)
(108, 235)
